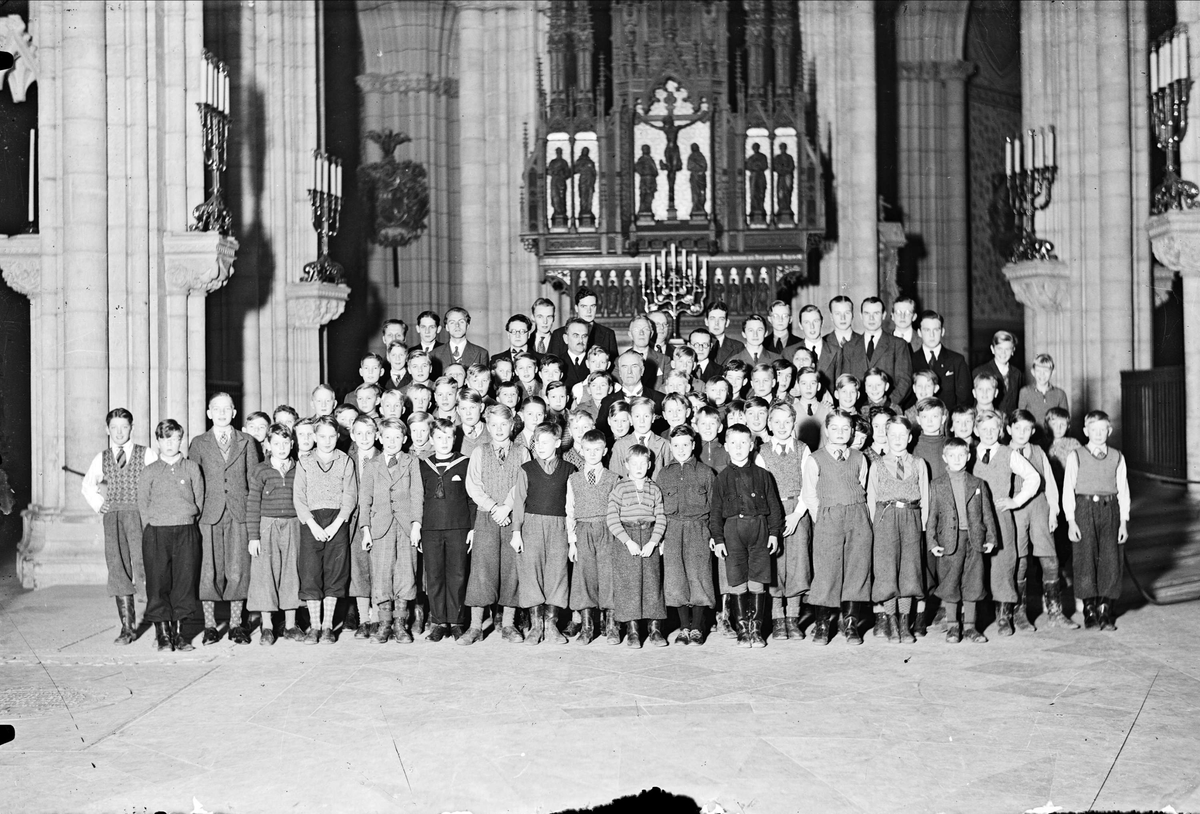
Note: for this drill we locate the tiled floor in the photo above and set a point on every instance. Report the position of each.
(1110, 721)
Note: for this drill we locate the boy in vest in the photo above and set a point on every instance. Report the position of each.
(642, 412)
(960, 531)
(835, 491)
(226, 457)
(1096, 505)
(274, 533)
(445, 532)
(170, 494)
(590, 543)
(119, 468)
(1013, 483)
(390, 501)
(491, 476)
(687, 559)
(637, 520)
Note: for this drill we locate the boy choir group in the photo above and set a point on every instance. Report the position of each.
(560, 488)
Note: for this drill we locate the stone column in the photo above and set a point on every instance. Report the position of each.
(310, 307)
(1042, 286)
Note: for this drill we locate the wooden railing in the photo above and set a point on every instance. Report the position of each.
(1153, 419)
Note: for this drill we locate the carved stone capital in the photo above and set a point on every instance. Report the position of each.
(1175, 239)
(311, 305)
(402, 82)
(1162, 284)
(21, 263)
(198, 261)
(1043, 285)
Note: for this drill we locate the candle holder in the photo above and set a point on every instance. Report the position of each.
(674, 285)
(1168, 115)
(212, 215)
(1030, 167)
(326, 217)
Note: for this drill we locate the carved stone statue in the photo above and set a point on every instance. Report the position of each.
(756, 169)
(697, 166)
(558, 171)
(671, 161)
(784, 167)
(647, 172)
(585, 168)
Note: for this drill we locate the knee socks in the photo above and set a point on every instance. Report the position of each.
(289, 619)
(793, 606)
(685, 617)
(330, 605)
(235, 612)
(969, 613)
(510, 615)
(777, 607)
(890, 607)
(1049, 568)
(210, 613)
(477, 618)
(905, 605)
(314, 612)
(364, 608)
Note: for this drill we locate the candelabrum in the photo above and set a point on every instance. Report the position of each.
(676, 283)
(1030, 168)
(1168, 115)
(212, 215)
(326, 200)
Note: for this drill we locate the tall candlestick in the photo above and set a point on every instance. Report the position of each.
(1008, 156)
(32, 172)
(1051, 148)
(643, 278)
(225, 90)
(1153, 70)
(1018, 163)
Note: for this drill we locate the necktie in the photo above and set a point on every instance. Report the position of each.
(391, 462)
(932, 359)
(900, 469)
(987, 457)
(457, 353)
(541, 344)
(870, 347)
(1100, 456)
(120, 457)
(501, 453)
(840, 455)
(810, 410)
(223, 441)
(592, 477)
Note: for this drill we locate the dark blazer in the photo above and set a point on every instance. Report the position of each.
(942, 529)
(728, 347)
(388, 384)
(954, 377)
(708, 370)
(472, 354)
(775, 346)
(764, 357)
(827, 362)
(573, 373)
(892, 356)
(1010, 385)
(600, 336)
(226, 483)
(506, 354)
(657, 367)
(914, 342)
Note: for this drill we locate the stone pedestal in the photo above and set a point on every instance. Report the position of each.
(1175, 238)
(310, 306)
(1043, 287)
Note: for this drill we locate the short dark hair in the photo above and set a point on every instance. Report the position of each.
(583, 292)
(437, 320)
(929, 313)
(839, 299)
(167, 428)
(718, 305)
(540, 301)
(118, 412)
(521, 318)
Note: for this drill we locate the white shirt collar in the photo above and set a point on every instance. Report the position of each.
(786, 446)
(868, 336)
(127, 446)
(905, 335)
(933, 351)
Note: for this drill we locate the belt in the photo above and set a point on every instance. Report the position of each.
(900, 504)
(1096, 498)
(638, 524)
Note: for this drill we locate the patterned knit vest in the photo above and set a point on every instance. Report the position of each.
(838, 484)
(121, 484)
(889, 487)
(591, 502)
(499, 477)
(1097, 477)
(785, 468)
(996, 473)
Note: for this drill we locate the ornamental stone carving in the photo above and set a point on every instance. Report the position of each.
(1175, 238)
(16, 39)
(1043, 285)
(21, 263)
(198, 262)
(311, 305)
(407, 82)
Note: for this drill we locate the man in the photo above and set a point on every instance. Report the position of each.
(662, 331)
(458, 350)
(716, 319)
(754, 332)
(543, 321)
(429, 325)
(780, 317)
(841, 313)
(904, 311)
(518, 328)
(1011, 377)
(701, 341)
(874, 348)
(951, 368)
(575, 368)
(394, 330)
(811, 322)
(586, 305)
(641, 336)
(630, 369)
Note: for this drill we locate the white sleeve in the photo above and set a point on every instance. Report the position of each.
(91, 483)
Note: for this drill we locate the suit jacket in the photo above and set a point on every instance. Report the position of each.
(619, 395)
(708, 370)
(954, 377)
(727, 348)
(764, 357)
(573, 373)
(508, 354)
(827, 362)
(226, 483)
(388, 384)
(600, 336)
(658, 446)
(657, 366)
(472, 354)
(386, 497)
(914, 341)
(942, 528)
(775, 346)
(892, 356)
(1010, 385)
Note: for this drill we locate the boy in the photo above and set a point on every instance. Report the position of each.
(925, 386)
(420, 398)
(579, 423)
(846, 393)
(398, 376)
(525, 367)
(420, 369)
(366, 399)
(810, 410)
(745, 522)
(119, 468)
(1009, 377)
(391, 405)
(274, 532)
(637, 520)
(286, 415)
(590, 543)
(370, 367)
(687, 560)
(256, 426)
(961, 530)
(419, 427)
(226, 457)
(1041, 396)
(931, 417)
(713, 455)
(323, 400)
(445, 397)
(539, 534)
(532, 412)
(508, 394)
(962, 424)
(363, 434)
(491, 476)
(325, 495)
(762, 381)
(170, 494)
(444, 534)
(877, 384)
(390, 508)
(555, 395)
(755, 418)
(642, 412)
(784, 458)
(736, 372)
(306, 438)
(471, 432)
(835, 481)
(677, 411)
(996, 465)
(898, 502)
(596, 388)
(986, 388)
(1096, 505)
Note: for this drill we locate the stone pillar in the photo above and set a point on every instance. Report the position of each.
(311, 306)
(1042, 286)
(498, 47)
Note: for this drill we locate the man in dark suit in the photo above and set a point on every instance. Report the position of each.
(954, 377)
(459, 350)
(641, 336)
(599, 336)
(904, 312)
(543, 327)
(811, 322)
(754, 334)
(781, 337)
(701, 341)
(575, 368)
(1011, 377)
(841, 314)
(518, 328)
(630, 367)
(874, 348)
(429, 325)
(716, 319)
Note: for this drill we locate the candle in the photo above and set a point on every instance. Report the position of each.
(1051, 149)
(643, 274)
(1168, 62)
(1018, 164)
(337, 187)
(316, 171)
(224, 89)
(1154, 70)
(1187, 55)
(673, 256)
(1039, 141)
(1029, 148)
(1008, 156)
(32, 172)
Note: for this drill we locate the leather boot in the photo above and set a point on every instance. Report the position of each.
(919, 624)
(954, 632)
(758, 615)
(1004, 618)
(128, 614)
(779, 628)
(792, 626)
(162, 636)
(418, 617)
(1091, 620)
(724, 618)
(383, 630)
(587, 626)
(881, 626)
(573, 627)
(1104, 613)
(850, 624)
(1021, 611)
(400, 629)
(939, 617)
(612, 631)
(632, 638)
(745, 606)
(820, 631)
(178, 641)
(891, 628)
(552, 633)
(536, 621)
(351, 622)
(903, 631)
(656, 638)
(1054, 609)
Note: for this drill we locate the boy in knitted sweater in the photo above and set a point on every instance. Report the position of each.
(274, 533)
